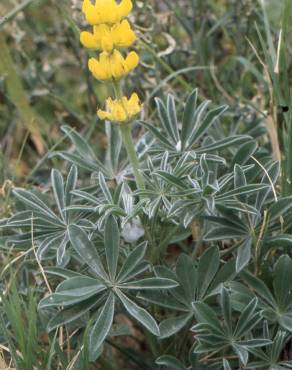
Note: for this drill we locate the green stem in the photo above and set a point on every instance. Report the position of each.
(128, 141)
(129, 145)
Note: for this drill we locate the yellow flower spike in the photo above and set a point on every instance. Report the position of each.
(121, 110)
(112, 65)
(107, 38)
(110, 33)
(106, 11)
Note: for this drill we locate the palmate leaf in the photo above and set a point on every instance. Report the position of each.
(80, 143)
(70, 314)
(207, 268)
(85, 157)
(277, 307)
(69, 188)
(223, 143)
(49, 243)
(78, 285)
(187, 277)
(226, 309)
(196, 123)
(86, 250)
(248, 319)
(191, 289)
(170, 363)
(61, 272)
(102, 325)
(239, 179)
(114, 147)
(204, 314)
(164, 300)
(241, 352)
(68, 299)
(260, 287)
(213, 335)
(279, 208)
(270, 358)
(131, 262)
(244, 152)
(58, 189)
(271, 174)
(242, 190)
(36, 204)
(173, 325)
(104, 188)
(195, 117)
(63, 257)
(282, 241)
(139, 313)
(172, 118)
(79, 162)
(200, 128)
(167, 123)
(103, 290)
(282, 282)
(189, 112)
(243, 254)
(112, 244)
(158, 135)
(48, 228)
(231, 221)
(149, 283)
(171, 179)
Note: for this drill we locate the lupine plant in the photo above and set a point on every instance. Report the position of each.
(178, 237)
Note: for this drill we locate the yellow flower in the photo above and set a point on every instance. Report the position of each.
(112, 65)
(106, 11)
(106, 38)
(121, 110)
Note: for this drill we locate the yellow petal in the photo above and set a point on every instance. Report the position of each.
(101, 32)
(110, 104)
(123, 35)
(90, 11)
(106, 11)
(92, 64)
(121, 110)
(134, 106)
(132, 60)
(125, 8)
(134, 99)
(86, 5)
(117, 65)
(107, 43)
(103, 114)
(88, 40)
(119, 114)
(100, 69)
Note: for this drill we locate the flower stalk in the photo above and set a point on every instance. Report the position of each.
(132, 155)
